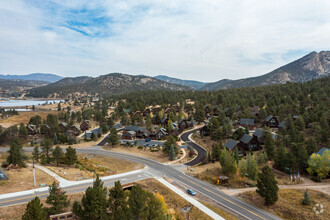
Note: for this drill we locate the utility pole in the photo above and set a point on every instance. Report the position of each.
(34, 174)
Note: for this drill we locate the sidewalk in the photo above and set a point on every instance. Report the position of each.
(190, 199)
(65, 183)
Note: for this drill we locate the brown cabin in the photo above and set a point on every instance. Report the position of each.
(75, 130)
(146, 112)
(63, 126)
(271, 121)
(85, 125)
(31, 129)
(182, 123)
(247, 142)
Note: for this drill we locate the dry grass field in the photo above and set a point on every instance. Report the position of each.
(101, 165)
(157, 156)
(289, 204)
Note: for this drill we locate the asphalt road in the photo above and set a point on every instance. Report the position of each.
(201, 152)
(245, 210)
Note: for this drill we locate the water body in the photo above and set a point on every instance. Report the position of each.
(23, 103)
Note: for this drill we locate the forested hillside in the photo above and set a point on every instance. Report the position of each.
(115, 83)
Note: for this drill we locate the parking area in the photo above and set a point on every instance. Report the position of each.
(142, 142)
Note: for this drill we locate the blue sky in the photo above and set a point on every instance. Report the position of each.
(204, 40)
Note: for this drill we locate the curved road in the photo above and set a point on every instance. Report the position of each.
(156, 169)
(201, 152)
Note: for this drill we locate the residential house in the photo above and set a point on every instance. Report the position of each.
(131, 128)
(75, 130)
(176, 108)
(182, 124)
(232, 144)
(247, 142)
(271, 121)
(128, 110)
(146, 112)
(164, 122)
(216, 111)
(259, 135)
(155, 110)
(31, 129)
(207, 109)
(142, 133)
(137, 113)
(63, 126)
(282, 126)
(204, 131)
(45, 128)
(85, 125)
(161, 133)
(129, 135)
(295, 117)
(247, 121)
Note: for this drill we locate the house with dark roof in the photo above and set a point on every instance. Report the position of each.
(137, 113)
(129, 135)
(164, 121)
(131, 128)
(155, 110)
(160, 134)
(45, 128)
(146, 112)
(75, 130)
(259, 135)
(271, 121)
(282, 125)
(85, 125)
(63, 126)
(182, 124)
(295, 117)
(31, 129)
(216, 111)
(247, 142)
(232, 144)
(143, 133)
(128, 110)
(247, 121)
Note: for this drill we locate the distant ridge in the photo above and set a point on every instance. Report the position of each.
(110, 84)
(47, 77)
(190, 83)
(312, 66)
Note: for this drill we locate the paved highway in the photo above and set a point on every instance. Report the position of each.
(243, 209)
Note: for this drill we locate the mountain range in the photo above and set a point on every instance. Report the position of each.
(110, 84)
(46, 77)
(312, 66)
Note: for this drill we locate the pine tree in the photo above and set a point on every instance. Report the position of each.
(216, 150)
(70, 156)
(247, 131)
(269, 145)
(227, 162)
(172, 153)
(55, 139)
(57, 199)
(252, 167)
(57, 154)
(94, 202)
(267, 186)
(236, 155)
(59, 106)
(242, 168)
(113, 137)
(34, 210)
(307, 199)
(35, 153)
(22, 131)
(137, 203)
(15, 153)
(281, 158)
(46, 149)
(117, 202)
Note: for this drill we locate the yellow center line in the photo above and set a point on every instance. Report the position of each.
(223, 198)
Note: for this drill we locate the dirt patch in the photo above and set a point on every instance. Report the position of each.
(90, 163)
(289, 204)
(24, 117)
(22, 179)
(146, 153)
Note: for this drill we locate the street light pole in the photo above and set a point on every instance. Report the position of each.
(34, 174)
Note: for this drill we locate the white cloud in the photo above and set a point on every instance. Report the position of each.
(204, 40)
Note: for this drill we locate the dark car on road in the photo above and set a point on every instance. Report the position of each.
(147, 140)
(191, 192)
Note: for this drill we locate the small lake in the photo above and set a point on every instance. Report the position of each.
(23, 103)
